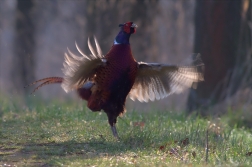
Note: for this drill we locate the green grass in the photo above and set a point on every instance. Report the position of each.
(71, 135)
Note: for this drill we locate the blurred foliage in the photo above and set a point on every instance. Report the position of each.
(165, 33)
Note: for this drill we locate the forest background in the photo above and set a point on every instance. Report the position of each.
(34, 35)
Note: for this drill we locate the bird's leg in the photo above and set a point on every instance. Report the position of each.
(114, 131)
(112, 122)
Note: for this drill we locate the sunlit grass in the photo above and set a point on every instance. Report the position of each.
(70, 134)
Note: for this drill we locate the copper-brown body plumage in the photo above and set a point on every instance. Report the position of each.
(116, 79)
(118, 76)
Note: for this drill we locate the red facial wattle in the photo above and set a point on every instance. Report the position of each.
(129, 27)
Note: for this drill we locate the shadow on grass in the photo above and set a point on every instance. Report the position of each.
(47, 153)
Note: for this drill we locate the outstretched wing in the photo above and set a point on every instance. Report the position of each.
(157, 81)
(78, 70)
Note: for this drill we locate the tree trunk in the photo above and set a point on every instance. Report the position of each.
(23, 61)
(218, 37)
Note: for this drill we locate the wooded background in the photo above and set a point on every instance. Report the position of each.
(34, 35)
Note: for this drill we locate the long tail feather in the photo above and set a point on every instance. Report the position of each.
(46, 81)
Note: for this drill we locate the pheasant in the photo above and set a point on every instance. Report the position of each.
(105, 81)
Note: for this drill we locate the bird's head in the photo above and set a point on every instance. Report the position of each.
(128, 27)
(123, 36)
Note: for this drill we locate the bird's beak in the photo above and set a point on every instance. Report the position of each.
(134, 25)
(120, 25)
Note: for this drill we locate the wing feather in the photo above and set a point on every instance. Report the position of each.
(98, 48)
(155, 81)
(78, 70)
(80, 51)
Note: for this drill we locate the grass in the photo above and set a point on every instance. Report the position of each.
(63, 134)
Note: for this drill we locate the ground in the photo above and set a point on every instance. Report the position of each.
(69, 134)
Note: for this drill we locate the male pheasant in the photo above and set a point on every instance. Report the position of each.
(105, 81)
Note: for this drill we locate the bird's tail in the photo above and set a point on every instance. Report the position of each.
(46, 81)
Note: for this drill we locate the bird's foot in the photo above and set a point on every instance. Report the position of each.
(114, 131)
